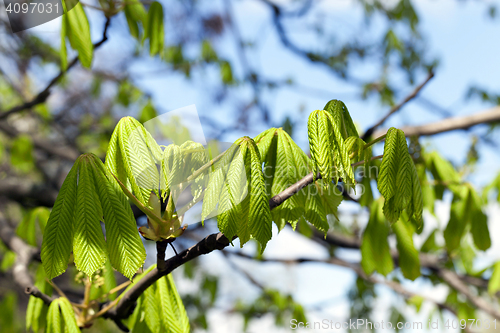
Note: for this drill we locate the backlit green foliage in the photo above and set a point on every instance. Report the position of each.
(159, 309)
(153, 29)
(284, 164)
(37, 310)
(240, 194)
(375, 251)
(61, 317)
(132, 155)
(88, 196)
(75, 27)
(236, 187)
(398, 180)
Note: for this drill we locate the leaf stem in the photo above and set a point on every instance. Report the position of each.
(139, 204)
(362, 162)
(116, 289)
(86, 297)
(371, 143)
(62, 294)
(204, 167)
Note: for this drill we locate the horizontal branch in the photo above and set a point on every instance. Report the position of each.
(454, 280)
(450, 124)
(397, 287)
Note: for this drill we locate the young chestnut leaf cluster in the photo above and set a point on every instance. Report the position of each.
(89, 195)
(285, 164)
(398, 180)
(235, 186)
(240, 194)
(328, 131)
(133, 157)
(61, 317)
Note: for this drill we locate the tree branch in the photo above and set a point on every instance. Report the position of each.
(279, 198)
(208, 244)
(24, 255)
(42, 96)
(397, 107)
(310, 56)
(454, 281)
(397, 287)
(450, 124)
(48, 147)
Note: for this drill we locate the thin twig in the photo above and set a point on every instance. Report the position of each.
(42, 96)
(313, 57)
(103, 310)
(173, 248)
(397, 287)
(242, 271)
(363, 162)
(397, 107)
(116, 289)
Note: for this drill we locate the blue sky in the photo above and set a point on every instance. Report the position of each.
(460, 35)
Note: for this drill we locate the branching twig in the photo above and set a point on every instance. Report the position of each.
(343, 263)
(42, 96)
(451, 278)
(208, 244)
(396, 286)
(242, 271)
(310, 56)
(397, 107)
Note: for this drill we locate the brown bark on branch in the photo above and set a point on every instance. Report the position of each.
(397, 287)
(42, 96)
(208, 244)
(24, 255)
(450, 124)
